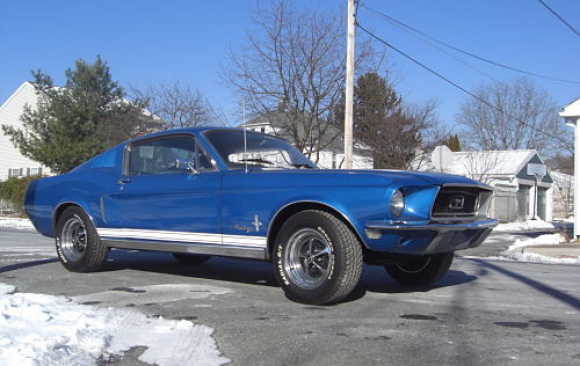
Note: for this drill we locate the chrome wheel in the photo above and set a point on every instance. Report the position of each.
(73, 240)
(308, 260)
(317, 258)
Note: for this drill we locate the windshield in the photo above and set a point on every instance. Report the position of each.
(259, 151)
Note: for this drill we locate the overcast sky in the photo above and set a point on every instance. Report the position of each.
(155, 41)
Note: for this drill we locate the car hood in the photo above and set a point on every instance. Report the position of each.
(377, 176)
(432, 178)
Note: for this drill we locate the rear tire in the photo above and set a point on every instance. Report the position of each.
(317, 258)
(421, 270)
(78, 245)
(191, 258)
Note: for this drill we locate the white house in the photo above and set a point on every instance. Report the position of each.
(523, 186)
(331, 152)
(12, 162)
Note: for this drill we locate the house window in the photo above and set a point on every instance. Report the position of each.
(15, 172)
(334, 161)
(263, 129)
(34, 171)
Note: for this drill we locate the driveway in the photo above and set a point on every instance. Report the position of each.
(483, 312)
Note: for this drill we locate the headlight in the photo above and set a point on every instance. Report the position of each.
(397, 203)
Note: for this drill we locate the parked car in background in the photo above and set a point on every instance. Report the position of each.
(208, 192)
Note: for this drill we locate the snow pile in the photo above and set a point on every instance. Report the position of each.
(514, 252)
(549, 239)
(538, 258)
(47, 330)
(18, 224)
(529, 225)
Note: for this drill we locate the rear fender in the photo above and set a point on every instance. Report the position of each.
(64, 204)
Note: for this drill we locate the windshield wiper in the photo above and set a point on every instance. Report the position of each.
(301, 166)
(256, 160)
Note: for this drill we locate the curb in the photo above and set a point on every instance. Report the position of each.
(557, 251)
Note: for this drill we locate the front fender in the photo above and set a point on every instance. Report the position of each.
(355, 215)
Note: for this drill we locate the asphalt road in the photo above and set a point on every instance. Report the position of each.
(482, 313)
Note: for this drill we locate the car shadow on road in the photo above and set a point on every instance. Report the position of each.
(217, 268)
(373, 279)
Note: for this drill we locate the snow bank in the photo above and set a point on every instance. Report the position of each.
(529, 225)
(514, 252)
(18, 224)
(47, 330)
(549, 239)
(537, 258)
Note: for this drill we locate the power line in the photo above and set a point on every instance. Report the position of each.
(410, 28)
(559, 17)
(481, 100)
(418, 36)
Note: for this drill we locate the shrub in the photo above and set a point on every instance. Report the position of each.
(13, 190)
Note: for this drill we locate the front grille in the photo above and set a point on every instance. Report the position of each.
(456, 202)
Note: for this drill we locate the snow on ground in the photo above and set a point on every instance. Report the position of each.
(530, 257)
(529, 225)
(515, 252)
(548, 239)
(18, 224)
(47, 330)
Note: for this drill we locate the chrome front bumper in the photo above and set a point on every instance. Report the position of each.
(427, 237)
(439, 226)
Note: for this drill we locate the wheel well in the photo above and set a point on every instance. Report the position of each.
(283, 215)
(58, 212)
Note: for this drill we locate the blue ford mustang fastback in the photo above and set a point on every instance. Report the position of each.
(205, 192)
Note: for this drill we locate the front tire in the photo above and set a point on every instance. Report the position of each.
(421, 270)
(78, 245)
(317, 258)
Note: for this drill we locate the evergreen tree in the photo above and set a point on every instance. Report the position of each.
(381, 123)
(453, 143)
(77, 122)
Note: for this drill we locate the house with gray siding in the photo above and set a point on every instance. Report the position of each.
(522, 184)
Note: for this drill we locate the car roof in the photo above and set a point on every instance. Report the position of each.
(192, 130)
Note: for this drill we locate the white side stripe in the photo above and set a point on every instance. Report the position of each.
(182, 236)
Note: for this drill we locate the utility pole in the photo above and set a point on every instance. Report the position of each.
(349, 90)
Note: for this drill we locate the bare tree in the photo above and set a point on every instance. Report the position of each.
(294, 66)
(535, 124)
(177, 105)
(482, 166)
(562, 163)
(432, 132)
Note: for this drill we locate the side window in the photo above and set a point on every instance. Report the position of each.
(174, 155)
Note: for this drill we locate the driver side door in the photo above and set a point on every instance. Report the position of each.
(169, 187)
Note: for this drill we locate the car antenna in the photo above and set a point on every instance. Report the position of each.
(245, 138)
